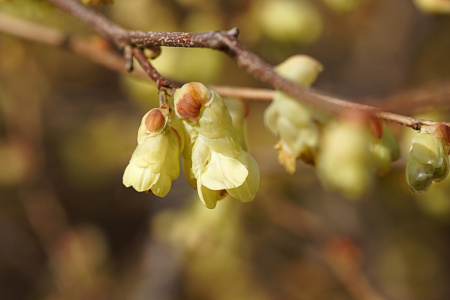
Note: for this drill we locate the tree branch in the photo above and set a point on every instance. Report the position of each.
(225, 41)
(150, 70)
(101, 24)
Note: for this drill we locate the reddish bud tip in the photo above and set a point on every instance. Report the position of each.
(155, 121)
(190, 99)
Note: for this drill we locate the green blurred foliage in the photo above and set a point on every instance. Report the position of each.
(70, 230)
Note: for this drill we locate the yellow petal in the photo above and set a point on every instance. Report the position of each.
(247, 191)
(209, 197)
(223, 172)
(152, 151)
(162, 186)
(140, 178)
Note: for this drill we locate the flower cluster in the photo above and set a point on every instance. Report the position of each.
(427, 159)
(346, 151)
(296, 125)
(154, 163)
(209, 135)
(212, 146)
(218, 163)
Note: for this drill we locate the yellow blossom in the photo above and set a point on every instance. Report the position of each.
(219, 164)
(154, 163)
(296, 125)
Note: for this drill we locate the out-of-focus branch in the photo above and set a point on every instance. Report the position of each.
(418, 100)
(338, 253)
(52, 37)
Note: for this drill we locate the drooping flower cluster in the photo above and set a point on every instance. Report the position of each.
(154, 163)
(219, 164)
(214, 158)
(208, 133)
(296, 125)
(345, 151)
(427, 160)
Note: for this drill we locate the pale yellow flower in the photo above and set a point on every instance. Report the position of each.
(296, 125)
(219, 164)
(154, 163)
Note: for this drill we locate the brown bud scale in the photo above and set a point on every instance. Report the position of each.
(155, 121)
(193, 97)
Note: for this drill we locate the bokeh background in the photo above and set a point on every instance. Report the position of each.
(69, 229)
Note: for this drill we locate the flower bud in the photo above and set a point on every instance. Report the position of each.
(289, 21)
(155, 121)
(301, 69)
(203, 109)
(427, 161)
(419, 176)
(190, 100)
(151, 51)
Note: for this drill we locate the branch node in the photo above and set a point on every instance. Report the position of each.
(152, 51)
(234, 32)
(416, 125)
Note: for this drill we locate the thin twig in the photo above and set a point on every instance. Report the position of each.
(52, 37)
(418, 100)
(252, 94)
(150, 70)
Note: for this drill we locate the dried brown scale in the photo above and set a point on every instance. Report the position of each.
(155, 121)
(190, 104)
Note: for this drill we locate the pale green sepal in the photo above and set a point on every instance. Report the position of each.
(419, 176)
(428, 149)
(441, 172)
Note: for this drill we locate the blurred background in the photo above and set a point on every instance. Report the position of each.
(69, 229)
